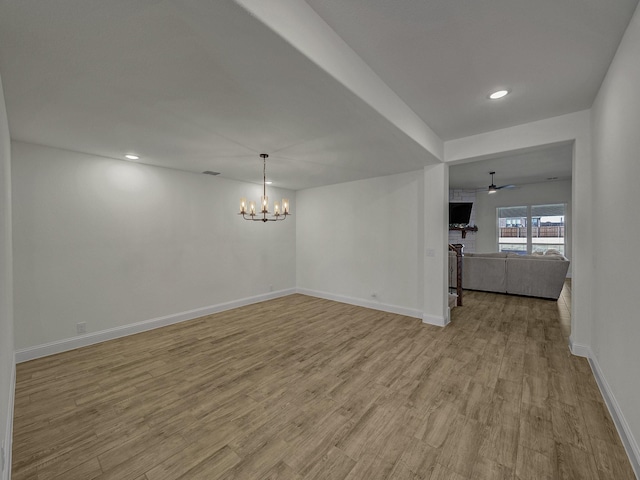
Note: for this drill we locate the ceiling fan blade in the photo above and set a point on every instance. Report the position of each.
(506, 186)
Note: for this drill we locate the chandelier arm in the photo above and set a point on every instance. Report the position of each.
(250, 217)
(264, 218)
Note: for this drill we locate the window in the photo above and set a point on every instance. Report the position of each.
(550, 232)
(512, 228)
(546, 231)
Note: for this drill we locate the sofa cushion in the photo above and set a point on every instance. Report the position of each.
(487, 255)
(539, 258)
(481, 272)
(536, 276)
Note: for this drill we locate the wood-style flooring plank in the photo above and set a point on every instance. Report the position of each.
(300, 388)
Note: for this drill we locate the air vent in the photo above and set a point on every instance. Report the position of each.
(209, 172)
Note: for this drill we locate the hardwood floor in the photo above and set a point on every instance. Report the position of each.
(304, 388)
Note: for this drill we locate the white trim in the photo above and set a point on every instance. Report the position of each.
(622, 426)
(436, 320)
(8, 434)
(30, 353)
(409, 312)
(628, 440)
(578, 349)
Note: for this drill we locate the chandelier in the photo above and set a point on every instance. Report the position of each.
(248, 212)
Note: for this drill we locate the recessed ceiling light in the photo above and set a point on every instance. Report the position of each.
(498, 94)
(131, 156)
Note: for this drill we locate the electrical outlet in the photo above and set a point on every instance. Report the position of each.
(81, 327)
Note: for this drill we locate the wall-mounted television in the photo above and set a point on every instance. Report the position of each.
(460, 213)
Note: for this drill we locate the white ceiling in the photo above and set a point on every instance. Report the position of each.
(193, 85)
(550, 163)
(443, 57)
(199, 85)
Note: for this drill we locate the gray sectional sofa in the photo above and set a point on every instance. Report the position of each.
(530, 275)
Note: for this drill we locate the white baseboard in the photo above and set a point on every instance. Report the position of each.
(626, 435)
(628, 440)
(409, 312)
(31, 353)
(436, 320)
(8, 434)
(578, 349)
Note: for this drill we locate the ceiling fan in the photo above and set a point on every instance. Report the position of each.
(493, 188)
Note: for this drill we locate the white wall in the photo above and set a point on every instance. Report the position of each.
(6, 290)
(616, 192)
(111, 243)
(530, 194)
(360, 238)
